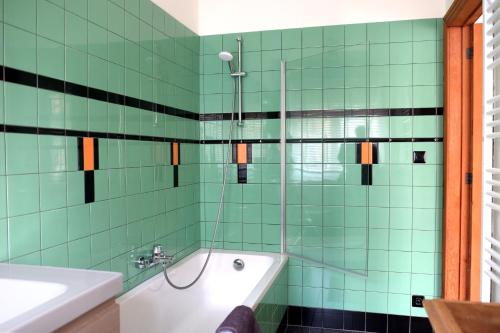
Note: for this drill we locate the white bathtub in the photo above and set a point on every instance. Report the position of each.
(154, 306)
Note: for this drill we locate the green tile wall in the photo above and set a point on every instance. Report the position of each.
(127, 47)
(398, 232)
(272, 308)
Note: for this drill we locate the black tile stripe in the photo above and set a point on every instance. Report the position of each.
(96, 154)
(242, 173)
(249, 153)
(235, 153)
(176, 176)
(89, 184)
(374, 152)
(245, 116)
(358, 153)
(366, 174)
(18, 76)
(80, 152)
(340, 113)
(302, 319)
(77, 133)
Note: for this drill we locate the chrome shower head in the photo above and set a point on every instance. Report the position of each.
(225, 56)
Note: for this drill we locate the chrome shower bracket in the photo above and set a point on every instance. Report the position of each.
(239, 75)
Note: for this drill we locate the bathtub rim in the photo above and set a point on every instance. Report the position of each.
(252, 300)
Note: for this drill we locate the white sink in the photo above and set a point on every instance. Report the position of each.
(43, 299)
(24, 295)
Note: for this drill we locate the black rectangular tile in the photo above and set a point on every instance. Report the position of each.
(176, 176)
(96, 154)
(376, 322)
(20, 77)
(242, 173)
(333, 318)
(75, 89)
(312, 317)
(294, 314)
(49, 83)
(89, 186)
(98, 94)
(354, 320)
(366, 174)
(420, 325)
(20, 129)
(398, 324)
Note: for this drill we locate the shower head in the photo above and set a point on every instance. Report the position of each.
(225, 56)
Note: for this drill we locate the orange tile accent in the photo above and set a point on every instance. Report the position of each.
(175, 153)
(366, 153)
(242, 153)
(88, 154)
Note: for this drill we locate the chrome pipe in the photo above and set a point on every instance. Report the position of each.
(283, 155)
(239, 75)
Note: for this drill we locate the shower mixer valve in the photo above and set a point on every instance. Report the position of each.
(157, 257)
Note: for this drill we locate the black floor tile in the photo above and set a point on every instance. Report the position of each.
(312, 317)
(376, 323)
(294, 314)
(398, 324)
(420, 325)
(333, 319)
(354, 320)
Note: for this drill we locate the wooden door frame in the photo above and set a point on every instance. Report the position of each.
(462, 116)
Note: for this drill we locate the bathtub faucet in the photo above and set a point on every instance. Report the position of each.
(158, 257)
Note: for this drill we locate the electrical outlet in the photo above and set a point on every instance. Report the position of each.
(418, 156)
(417, 301)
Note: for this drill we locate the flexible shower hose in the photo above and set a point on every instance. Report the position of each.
(219, 209)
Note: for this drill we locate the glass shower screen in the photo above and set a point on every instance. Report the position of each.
(329, 157)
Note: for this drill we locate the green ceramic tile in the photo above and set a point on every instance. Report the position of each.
(52, 191)
(378, 32)
(78, 222)
(400, 196)
(50, 58)
(401, 97)
(402, 127)
(76, 66)
(424, 74)
(97, 12)
(312, 37)
(100, 247)
(400, 53)
(20, 48)
(76, 109)
(21, 153)
(424, 52)
(21, 14)
(334, 35)
(79, 253)
(271, 40)
(55, 256)
(54, 228)
(116, 19)
(426, 96)
(355, 34)
(24, 235)
(76, 30)
(50, 21)
(400, 31)
(424, 29)
(76, 191)
(4, 248)
(20, 105)
(78, 7)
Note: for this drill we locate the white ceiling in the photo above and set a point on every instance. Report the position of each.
(209, 17)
